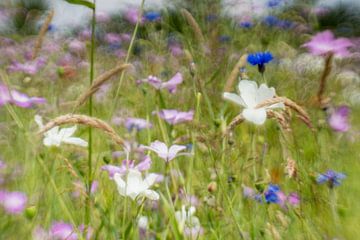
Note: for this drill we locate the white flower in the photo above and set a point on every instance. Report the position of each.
(56, 136)
(165, 152)
(187, 222)
(250, 96)
(143, 222)
(135, 185)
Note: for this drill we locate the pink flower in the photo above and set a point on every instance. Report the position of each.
(173, 117)
(136, 123)
(112, 38)
(165, 152)
(144, 165)
(18, 98)
(338, 119)
(132, 15)
(29, 67)
(325, 42)
(102, 17)
(13, 202)
(77, 47)
(170, 85)
(63, 231)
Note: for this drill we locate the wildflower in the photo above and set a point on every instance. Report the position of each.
(56, 136)
(102, 17)
(273, 3)
(137, 123)
(173, 117)
(188, 223)
(338, 119)
(132, 15)
(271, 195)
(62, 231)
(325, 43)
(29, 67)
(152, 16)
(164, 152)
(135, 186)
(77, 47)
(112, 38)
(126, 165)
(260, 59)
(250, 96)
(170, 85)
(143, 224)
(330, 177)
(17, 98)
(13, 202)
(246, 24)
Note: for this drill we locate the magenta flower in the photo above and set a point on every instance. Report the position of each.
(63, 231)
(112, 38)
(173, 117)
(13, 202)
(324, 43)
(29, 67)
(102, 17)
(338, 119)
(17, 98)
(77, 47)
(170, 85)
(132, 16)
(164, 152)
(144, 165)
(136, 123)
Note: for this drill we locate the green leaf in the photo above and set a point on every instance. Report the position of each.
(82, 2)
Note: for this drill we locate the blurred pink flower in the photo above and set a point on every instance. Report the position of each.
(338, 119)
(13, 202)
(170, 85)
(112, 38)
(173, 117)
(18, 98)
(132, 15)
(144, 165)
(29, 67)
(77, 46)
(325, 43)
(63, 231)
(136, 123)
(102, 17)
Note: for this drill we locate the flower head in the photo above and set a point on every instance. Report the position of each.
(152, 16)
(188, 223)
(250, 95)
(324, 43)
(62, 231)
(165, 152)
(170, 85)
(338, 119)
(17, 98)
(29, 67)
(330, 177)
(126, 165)
(56, 136)
(260, 59)
(135, 186)
(13, 202)
(136, 123)
(173, 116)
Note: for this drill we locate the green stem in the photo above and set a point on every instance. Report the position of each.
(90, 110)
(131, 45)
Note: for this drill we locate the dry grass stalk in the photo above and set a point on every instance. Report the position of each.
(42, 34)
(99, 81)
(70, 168)
(236, 121)
(324, 76)
(280, 118)
(194, 25)
(234, 73)
(291, 168)
(84, 120)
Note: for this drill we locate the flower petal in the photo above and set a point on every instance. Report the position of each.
(264, 93)
(257, 116)
(76, 141)
(174, 149)
(234, 98)
(150, 194)
(248, 92)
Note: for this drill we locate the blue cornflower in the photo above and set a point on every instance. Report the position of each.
(271, 21)
(246, 24)
(224, 38)
(259, 59)
(271, 195)
(152, 16)
(331, 177)
(273, 3)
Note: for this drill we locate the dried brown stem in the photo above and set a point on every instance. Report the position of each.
(234, 73)
(194, 25)
(100, 81)
(42, 34)
(324, 76)
(84, 120)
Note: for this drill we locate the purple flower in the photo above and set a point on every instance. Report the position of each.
(173, 117)
(136, 123)
(18, 98)
(293, 199)
(271, 194)
(13, 202)
(170, 85)
(102, 17)
(63, 231)
(273, 3)
(330, 177)
(324, 43)
(164, 152)
(77, 47)
(132, 15)
(29, 67)
(112, 38)
(144, 165)
(338, 119)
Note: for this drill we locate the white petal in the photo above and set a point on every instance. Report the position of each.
(257, 116)
(264, 93)
(67, 132)
(50, 141)
(174, 149)
(76, 141)
(234, 98)
(248, 92)
(150, 194)
(121, 185)
(150, 179)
